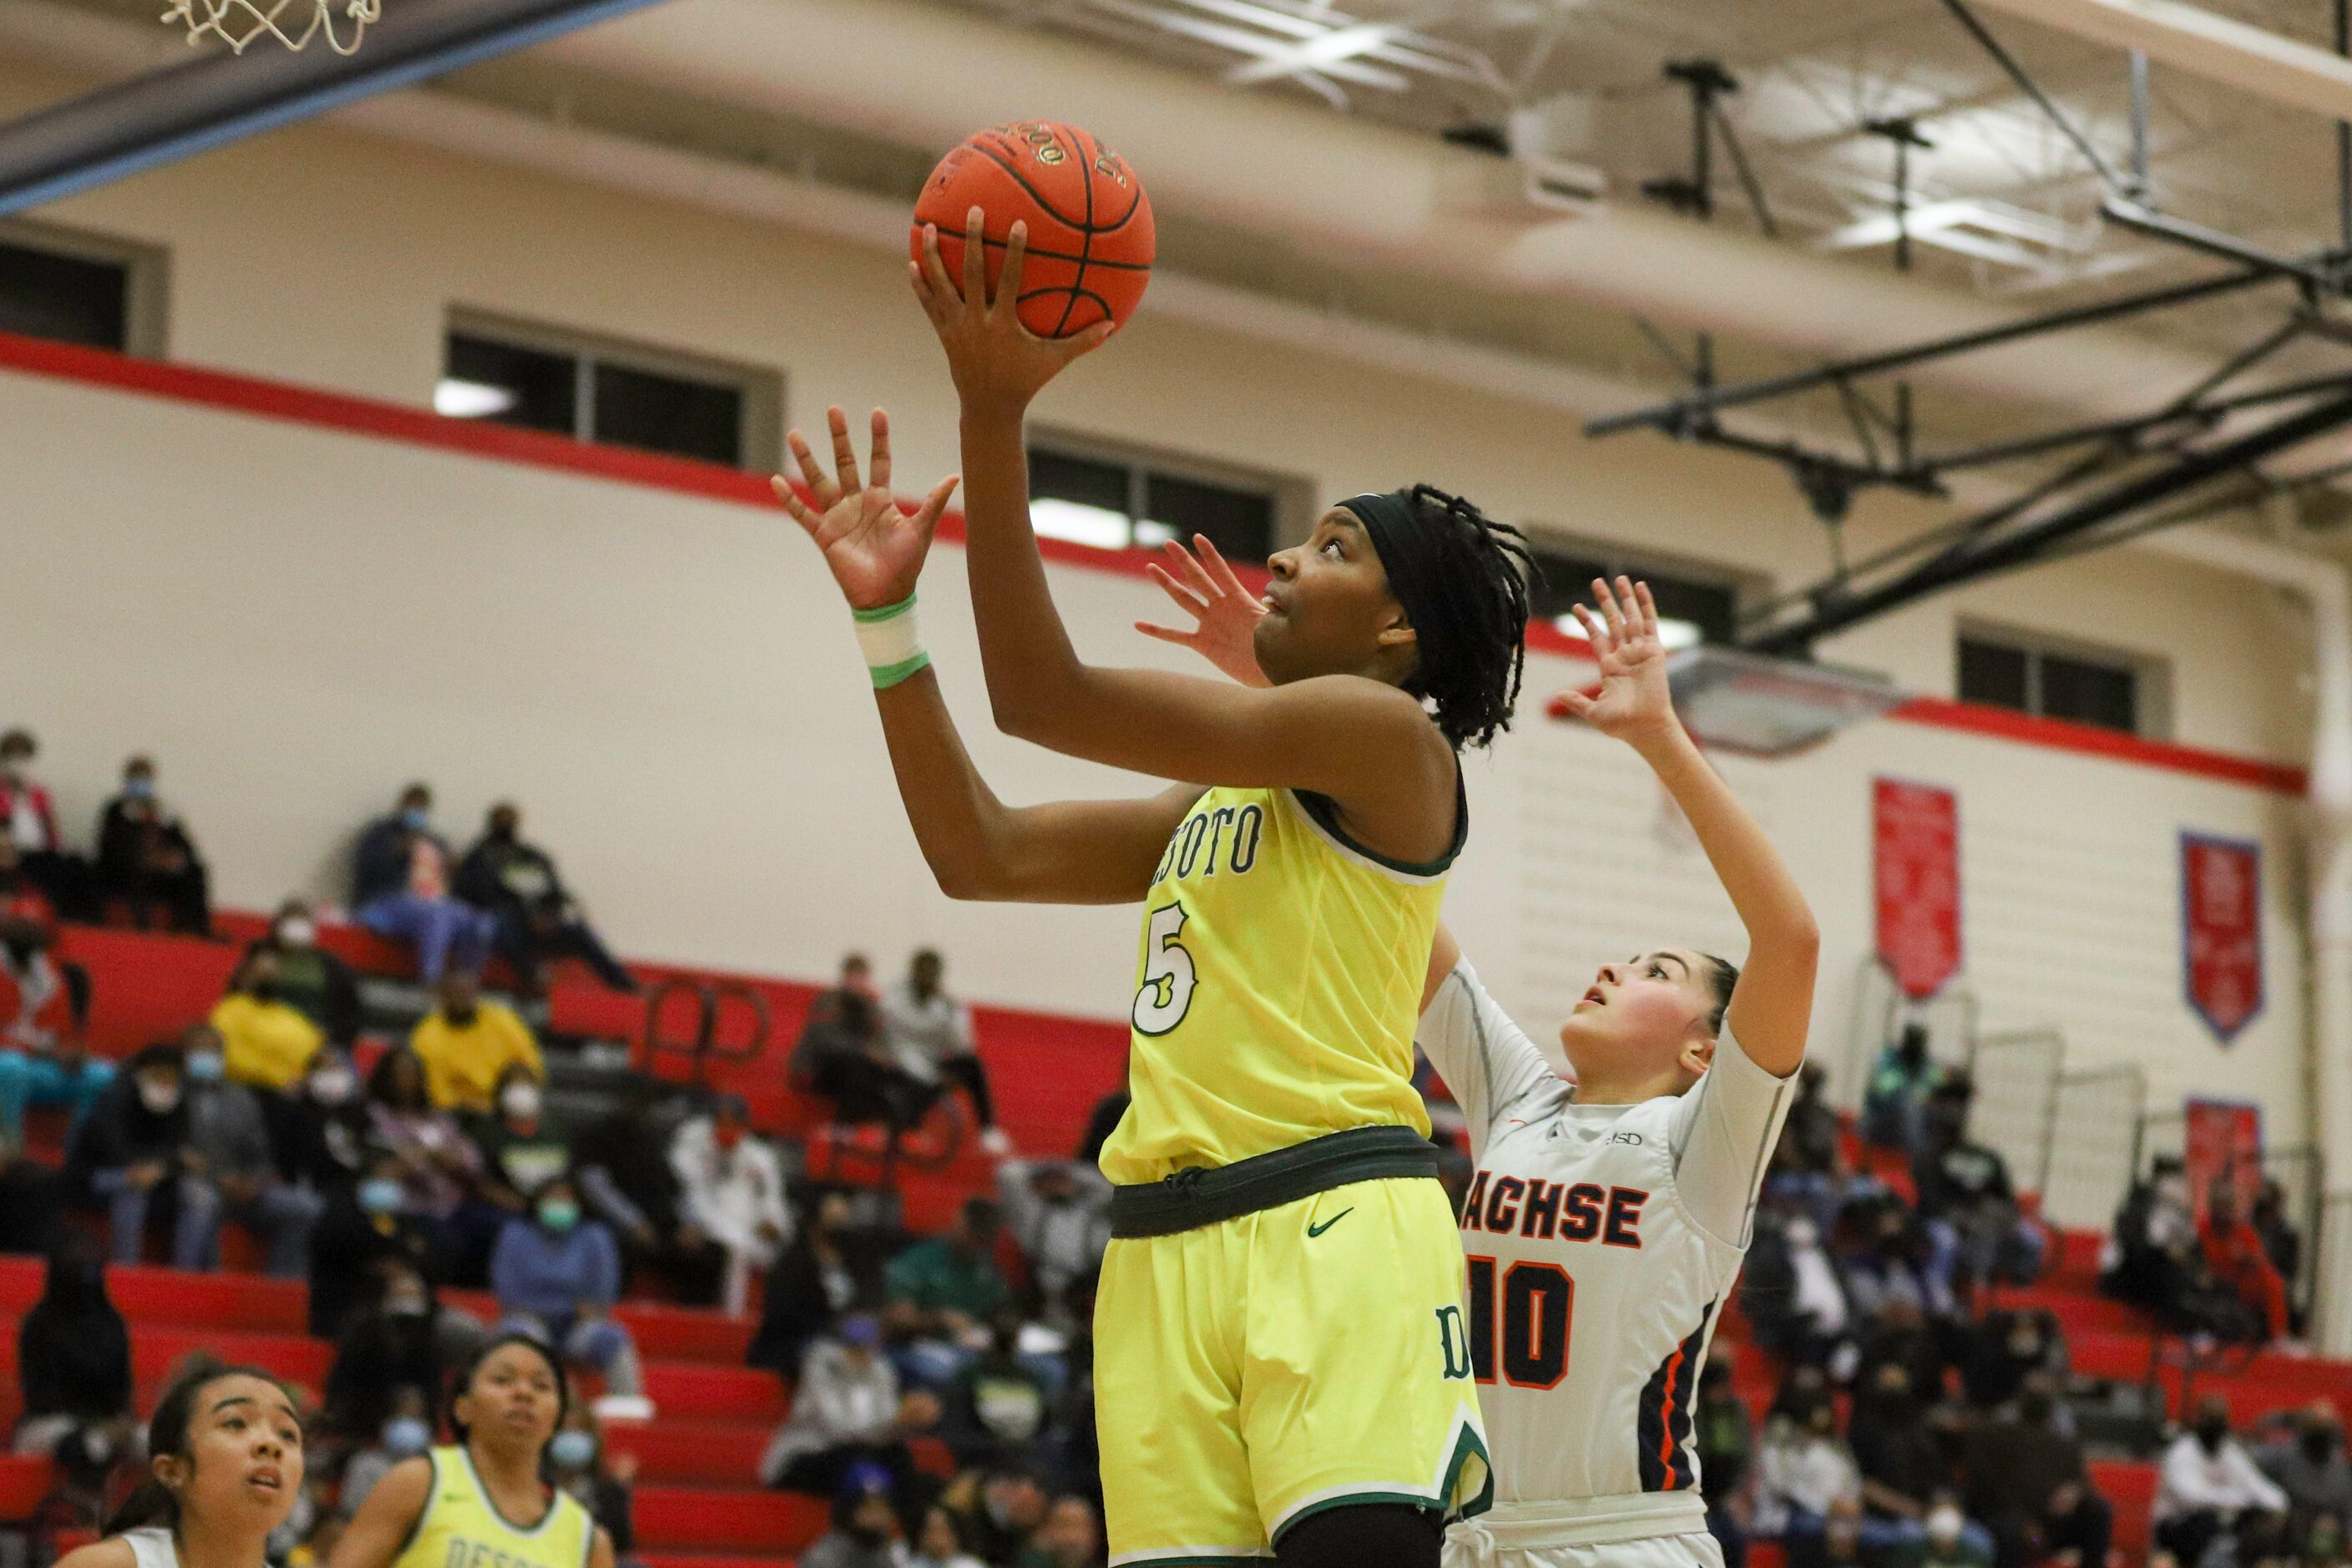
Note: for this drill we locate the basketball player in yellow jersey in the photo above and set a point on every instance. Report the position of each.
(1281, 1368)
(483, 1503)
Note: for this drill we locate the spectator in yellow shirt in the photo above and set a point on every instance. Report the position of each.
(267, 1043)
(466, 1043)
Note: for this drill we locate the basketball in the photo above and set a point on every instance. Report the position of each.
(1090, 235)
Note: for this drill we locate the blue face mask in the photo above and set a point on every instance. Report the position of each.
(381, 1196)
(139, 786)
(406, 1436)
(572, 1450)
(559, 1215)
(414, 818)
(206, 1067)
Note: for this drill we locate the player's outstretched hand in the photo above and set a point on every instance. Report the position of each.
(1635, 703)
(998, 364)
(1224, 614)
(873, 548)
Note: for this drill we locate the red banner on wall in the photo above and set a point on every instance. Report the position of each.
(1917, 862)
(2221, 930)
(2222, 1151)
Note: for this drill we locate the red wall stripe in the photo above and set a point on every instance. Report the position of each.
(420, 427)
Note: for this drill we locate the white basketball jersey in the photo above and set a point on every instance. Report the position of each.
(1603, 1241)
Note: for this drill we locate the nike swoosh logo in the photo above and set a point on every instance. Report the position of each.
(1315, 1230)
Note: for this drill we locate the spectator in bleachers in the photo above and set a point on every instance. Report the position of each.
(623, 1165)
(440, 1166)
(268, 1043)
(31, 1202)
(865, 1524)
(73, 1371)
(578, 1463)
(843, 1054)
(232, 1172)
(146, 859)
(1725, 1441)
(2210, 1487)
(2155, 1237)
(998, 1404)
(404, 1431)
(1811, 1132)
(557, 1276)
(312, 980)
(39, 1067)
(2280, 1242)
(1893, 1256)
(129, 1156)
(2237, 1258)
(1965, 1185)
(28, 820)
(520, 1152)
(466, 1044)
(848, 1411)
(399, 890)
(1901, 1336)
(1893, 1102)
(938, 1544)
(930, 1033)
(731, 1190)
(1071, 1537)
(2005, 1349)
(539, 920)
(2026, 1480)
(820, 1276)
(1001, 1510)
(1803, 1468)
(2308, 1465)
(1796, 1299)
(1905, 1470)
(367, 1227)
(389, 1345)
(944, 1288)
(321, 1128)
(1059, 1217)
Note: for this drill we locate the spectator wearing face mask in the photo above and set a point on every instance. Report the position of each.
(623, 1165)
(865, 1528)
(556, 1276)
(388, 1346)
(1726, 1442)
(1964, 1186)
(930, 1033)
(2027, 1481)
(1795, 1297)
(73, 1371)
(439, 1167)
(938, 1544)
(2235, 1254)
(1900, 1082)
(848, 1411)
(2309, 1466)
(578, 1463)
(28, 820)
(1802, 1469)
(2008, 1347)
(40, 1066)
(1895, 1256)
(1907, 1478)
(318, 1129)
(1001, 1510)
(467, 1045)
(820, 1276)
(520, 1154)
(310, 979)
(146, 859)
(367, 1227)
(232, 1172)
(399, 890)
(944, 1288)
(1059, 1217)
(997, 1405)
(539, 920)
(406, 1431)
(267, 1043)
(1071, 1537)
(731, 1188)
(845, 1055)
(2208, 1487)
(131, 1155)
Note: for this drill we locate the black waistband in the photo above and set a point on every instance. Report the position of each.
(1190, 1199)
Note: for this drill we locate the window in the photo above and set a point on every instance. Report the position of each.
(1119, 503)
(2108, 690)
(1690, 609)
(616, 394)
(78, 288)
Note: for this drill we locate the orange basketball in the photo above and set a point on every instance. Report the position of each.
(1090, 235)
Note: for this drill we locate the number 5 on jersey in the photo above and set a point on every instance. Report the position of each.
(1168, 974)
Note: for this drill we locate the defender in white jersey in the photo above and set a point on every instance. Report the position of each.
(1609, 1215)
(1611, 1208)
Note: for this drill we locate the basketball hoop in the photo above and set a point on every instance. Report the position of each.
(1767, 707)
(292, 22)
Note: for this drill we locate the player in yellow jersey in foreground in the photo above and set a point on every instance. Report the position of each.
(1281, 1366)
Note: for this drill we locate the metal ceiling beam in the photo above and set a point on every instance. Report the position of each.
(2203, 44)
(219, 98)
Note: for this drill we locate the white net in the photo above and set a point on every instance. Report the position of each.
(293, 23)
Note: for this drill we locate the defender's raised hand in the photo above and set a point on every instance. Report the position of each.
(873, 548)
(1635, 703)
(1225, 612)
(998, 364)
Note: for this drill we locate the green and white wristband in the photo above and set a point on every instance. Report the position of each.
(891, 642)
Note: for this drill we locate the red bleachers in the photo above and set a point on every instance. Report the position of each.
(683, 1519)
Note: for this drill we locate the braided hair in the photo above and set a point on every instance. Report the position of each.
(1470, 665)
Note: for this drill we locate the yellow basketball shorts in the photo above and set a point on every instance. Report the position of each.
(1255, 1372)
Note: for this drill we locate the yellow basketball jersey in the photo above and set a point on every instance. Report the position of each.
(1280, 979)
(461, 1528)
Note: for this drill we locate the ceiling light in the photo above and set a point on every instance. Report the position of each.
(456, 399)
(1075, 522)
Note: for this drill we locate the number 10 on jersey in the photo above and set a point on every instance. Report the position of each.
(1520, 1318)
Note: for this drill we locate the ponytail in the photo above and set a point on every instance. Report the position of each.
(152, 1505)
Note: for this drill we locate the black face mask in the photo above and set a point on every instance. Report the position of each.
(2319, 1444)
(2212, 1435)
(463, 1020)
(265, 990)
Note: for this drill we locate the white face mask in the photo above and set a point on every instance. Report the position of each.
(297, 931)
(519, 1100)
(160, 1097)
(332, 1086)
